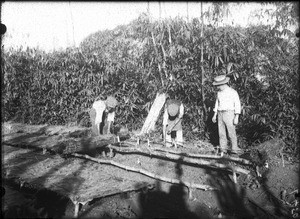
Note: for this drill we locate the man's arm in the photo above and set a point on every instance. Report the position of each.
(165, 121)
(99, 107)
(214, 118)
(237, 108)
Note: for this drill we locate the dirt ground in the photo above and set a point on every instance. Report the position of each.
(274, 195)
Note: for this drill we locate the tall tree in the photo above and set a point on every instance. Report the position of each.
(201, 64)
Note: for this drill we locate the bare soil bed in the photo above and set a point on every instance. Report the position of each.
(36, 180)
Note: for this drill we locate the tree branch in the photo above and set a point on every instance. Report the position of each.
(147, 173)
(212, 164)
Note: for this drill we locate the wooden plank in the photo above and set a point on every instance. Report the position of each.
(153, 114)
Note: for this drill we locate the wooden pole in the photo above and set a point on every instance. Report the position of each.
(177, 157)
(208, 156)
(196, 155)
(147, 173)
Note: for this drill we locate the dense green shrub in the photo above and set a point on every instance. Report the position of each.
(135, 61)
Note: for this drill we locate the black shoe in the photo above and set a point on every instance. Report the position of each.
(223, 152)
(237, 152)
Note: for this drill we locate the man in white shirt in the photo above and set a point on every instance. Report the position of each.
(172, 128)
(228, 108)
(103, 111)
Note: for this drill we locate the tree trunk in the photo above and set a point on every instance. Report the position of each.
(202, 67)
(158, 64)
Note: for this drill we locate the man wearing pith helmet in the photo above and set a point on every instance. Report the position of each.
(172, 128)
(102, 115)
(227, 108)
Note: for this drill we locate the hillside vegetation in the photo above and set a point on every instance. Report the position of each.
(135, 61)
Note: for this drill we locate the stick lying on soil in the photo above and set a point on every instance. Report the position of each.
(147, 173)
(185, 159)
(209, 156)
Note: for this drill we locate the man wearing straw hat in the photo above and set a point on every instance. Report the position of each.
(103, 111)
(172, 128)
(227, 108)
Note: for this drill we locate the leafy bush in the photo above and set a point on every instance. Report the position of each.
(135, 61)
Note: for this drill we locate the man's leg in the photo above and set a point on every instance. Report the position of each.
(168, 140)
(222, 132)
(95, 128)
(228, 119)
(179, 137)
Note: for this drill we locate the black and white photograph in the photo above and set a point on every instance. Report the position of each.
(150, 109)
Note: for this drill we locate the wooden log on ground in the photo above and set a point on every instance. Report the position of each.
(147, 173)
(153, 114)
(208, 156)
(193, 155)
(185, 159)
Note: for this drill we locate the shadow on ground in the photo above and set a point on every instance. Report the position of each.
(156, 203)
(43, 203)
(234, 202)
(173, 204)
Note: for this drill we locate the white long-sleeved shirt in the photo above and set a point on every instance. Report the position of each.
(100, 107)
(228, 99)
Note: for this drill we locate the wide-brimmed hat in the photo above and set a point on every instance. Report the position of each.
(221, 79)
(173, 109)
(111, 102)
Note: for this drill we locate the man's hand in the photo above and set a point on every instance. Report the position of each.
(236, 120)
(173, 125)
(214, 118)
(168, 131)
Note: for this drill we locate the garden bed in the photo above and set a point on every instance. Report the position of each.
(84, 181)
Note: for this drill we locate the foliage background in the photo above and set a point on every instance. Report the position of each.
(135, 61)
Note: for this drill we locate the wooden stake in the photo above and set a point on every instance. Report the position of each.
(234, 177)
(76, 211)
